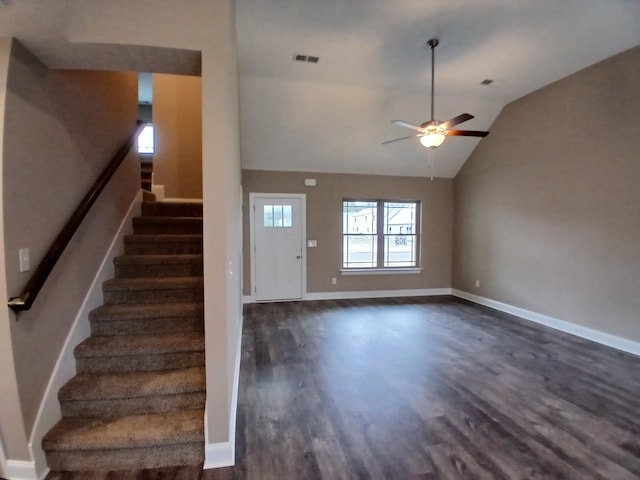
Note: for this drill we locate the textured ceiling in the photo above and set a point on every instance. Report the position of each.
(374, 67)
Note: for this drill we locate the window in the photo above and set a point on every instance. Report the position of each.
(379, 234)
(146, 140)
(277, 216)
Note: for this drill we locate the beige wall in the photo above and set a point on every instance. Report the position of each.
(13, 436)
(61, 129)
(547, 209)
(324, 224)
(177, 116)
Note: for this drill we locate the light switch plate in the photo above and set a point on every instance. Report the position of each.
(25, 259)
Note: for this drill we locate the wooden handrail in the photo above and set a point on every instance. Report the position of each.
(41, 273)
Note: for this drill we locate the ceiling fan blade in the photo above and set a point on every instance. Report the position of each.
(406, 125)
(467, 133)
(463, 117)
(398, 139)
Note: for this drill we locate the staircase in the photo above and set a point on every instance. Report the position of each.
(146, 171)
(138, 398)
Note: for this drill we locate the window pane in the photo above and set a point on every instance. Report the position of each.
(277, 215)
(359, 251)
(400, 251)
(400, 227)
(399, 218)
(287, 216)
(146, 140)
(359, 217)
(359, 230)
(268, 215)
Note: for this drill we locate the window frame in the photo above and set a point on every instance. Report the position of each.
(380, 237)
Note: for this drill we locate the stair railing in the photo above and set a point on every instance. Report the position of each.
(25, 300)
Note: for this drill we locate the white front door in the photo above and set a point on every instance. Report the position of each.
(277, 248)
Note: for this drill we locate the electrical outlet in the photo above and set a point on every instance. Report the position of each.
(334, 280)
(477, 283)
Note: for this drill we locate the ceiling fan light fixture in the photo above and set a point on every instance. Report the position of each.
(432, 140)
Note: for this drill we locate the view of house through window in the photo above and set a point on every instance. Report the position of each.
(146, 140)
(379, 234)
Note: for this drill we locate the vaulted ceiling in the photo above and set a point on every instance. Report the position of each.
(374, 67)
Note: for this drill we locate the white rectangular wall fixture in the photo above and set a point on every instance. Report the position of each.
(310, 182)
(25, 259)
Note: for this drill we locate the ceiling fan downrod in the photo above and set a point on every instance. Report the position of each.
(433, 43)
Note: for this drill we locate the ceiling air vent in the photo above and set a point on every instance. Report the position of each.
(297, 57)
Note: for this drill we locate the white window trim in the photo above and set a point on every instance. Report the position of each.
(381, 271)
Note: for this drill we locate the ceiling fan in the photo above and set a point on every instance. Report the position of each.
(433, 132)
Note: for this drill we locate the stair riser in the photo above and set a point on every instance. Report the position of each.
(159, 270)
(146, 326)
(168, 209)
(135, 247)
(160, 226)
(135, 406)
(178, 295)
(127, 459)
(147, 363)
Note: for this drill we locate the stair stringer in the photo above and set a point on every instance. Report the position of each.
(49, 412)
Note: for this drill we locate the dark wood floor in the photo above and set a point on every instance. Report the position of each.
(423, 388)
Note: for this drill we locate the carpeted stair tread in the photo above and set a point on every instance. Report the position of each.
(132, 290)
(137, 319)
(146, 283)
(163, 244)
(167, 225)
(172, 209)
(133, 384)
(164, 238)
(136, 266)
(141, 259)
(128, 345)
(123, 311)
(132, 431)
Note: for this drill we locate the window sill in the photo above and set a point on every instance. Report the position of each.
(381, 271)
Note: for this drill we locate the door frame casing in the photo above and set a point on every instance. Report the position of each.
(303, 237)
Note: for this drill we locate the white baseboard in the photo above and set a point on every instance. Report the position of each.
(597, 336)
(20, 470)
(223, 454)
(423, 292)
(247, 299)
(218, 455)
(65, 367)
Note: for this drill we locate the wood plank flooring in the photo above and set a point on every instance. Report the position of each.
(429, 388)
